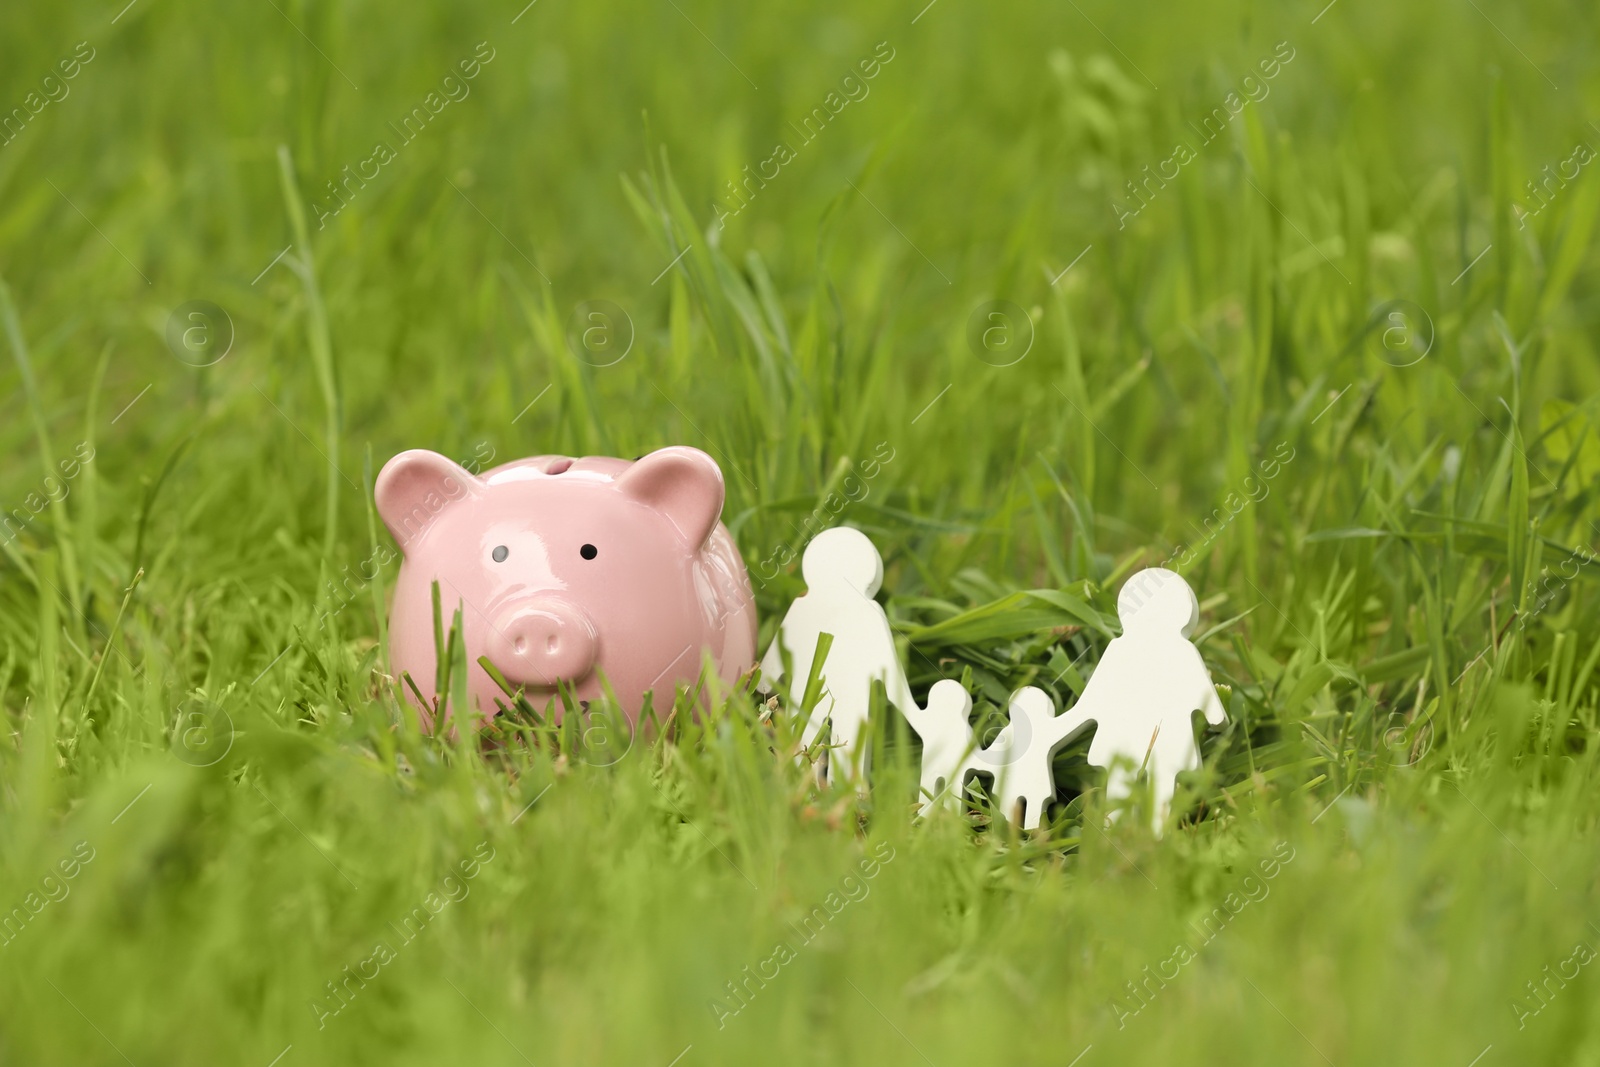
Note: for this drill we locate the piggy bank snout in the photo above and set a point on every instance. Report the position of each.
(542, 642)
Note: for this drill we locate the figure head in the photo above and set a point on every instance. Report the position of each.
(842, 557)
(1156, 601)
(1034, 704)
(949, 701)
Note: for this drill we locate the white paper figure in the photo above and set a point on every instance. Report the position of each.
(1020, 755)
(1144, 690)
(947, 742)
(842, 570)
(1140, 697)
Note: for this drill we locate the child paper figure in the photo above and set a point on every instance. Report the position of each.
(1021, 752)
(842, 570)
(947, 742)
(1149, 682)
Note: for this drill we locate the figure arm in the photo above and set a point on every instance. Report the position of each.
(1098, 696)
(895, 687)
(993, 757)
(898, 692)
(1210, 703)
(1070, 722)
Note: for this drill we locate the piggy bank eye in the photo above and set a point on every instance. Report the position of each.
(500, 553)
(588, 552)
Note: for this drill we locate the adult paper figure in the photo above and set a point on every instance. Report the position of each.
(1142, 694)
(842, 570)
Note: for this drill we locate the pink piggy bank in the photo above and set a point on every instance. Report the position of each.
(567, 571)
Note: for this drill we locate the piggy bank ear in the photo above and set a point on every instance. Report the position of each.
(415, 487)
(684, 483)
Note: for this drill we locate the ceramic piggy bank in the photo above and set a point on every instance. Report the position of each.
(567, 570)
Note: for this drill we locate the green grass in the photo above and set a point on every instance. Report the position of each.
(1412, 685)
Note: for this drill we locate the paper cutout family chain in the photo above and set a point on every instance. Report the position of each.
(1140, 697)
(609, 578)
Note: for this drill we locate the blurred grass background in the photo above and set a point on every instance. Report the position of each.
(1404, 614)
